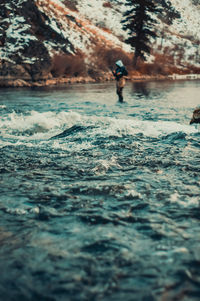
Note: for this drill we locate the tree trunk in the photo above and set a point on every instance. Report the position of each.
(135, 59)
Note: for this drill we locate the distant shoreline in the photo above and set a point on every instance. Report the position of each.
(17, 83)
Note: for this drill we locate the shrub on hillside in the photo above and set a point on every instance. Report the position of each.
(106, 58)
(152, 68)
(71, 4)
(193, 69)
(160, 66)
(107, 4)
(68, 65)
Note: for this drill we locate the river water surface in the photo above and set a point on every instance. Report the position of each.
(100, 200)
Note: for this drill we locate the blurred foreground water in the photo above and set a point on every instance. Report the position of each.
(100, 200)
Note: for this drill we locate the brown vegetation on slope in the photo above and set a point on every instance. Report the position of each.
(103, 52)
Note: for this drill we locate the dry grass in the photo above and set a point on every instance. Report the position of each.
(193, 69)
(164, 64)
(68, 65)
(71, 4)
(107, 4)
(106, 58)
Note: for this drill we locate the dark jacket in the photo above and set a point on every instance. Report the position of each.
(119, 72)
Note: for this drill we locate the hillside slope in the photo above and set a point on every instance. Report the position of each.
(42, 39)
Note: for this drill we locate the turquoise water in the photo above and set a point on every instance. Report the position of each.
(100, 200)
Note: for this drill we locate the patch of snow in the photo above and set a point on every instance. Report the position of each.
(190, 18)
(96, 22)
(17, 31)
(28, 60)
(7, 5)
(53, 25)
(79, 31)
(17, 36)
(101, 16)
(19, 2)
(4, 56)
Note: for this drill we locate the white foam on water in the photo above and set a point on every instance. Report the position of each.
(132, 193)
(39, 123)
(160, 128)
(42, 126)
(69, 146)
(120, 128)
(103, 165)
(17, 143)
(22, 211)
(190, 202)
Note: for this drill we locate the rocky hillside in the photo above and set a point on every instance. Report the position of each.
(41, 40)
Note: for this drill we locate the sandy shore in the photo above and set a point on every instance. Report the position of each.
(73, 80)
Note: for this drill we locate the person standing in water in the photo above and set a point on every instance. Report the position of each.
(119, 74)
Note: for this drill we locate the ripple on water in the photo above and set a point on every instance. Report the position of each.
(100, 202)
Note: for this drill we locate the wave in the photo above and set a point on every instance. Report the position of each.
(46, 125)
(72, 130)
(35, 123)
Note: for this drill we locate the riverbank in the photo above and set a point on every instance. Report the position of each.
(6, 83)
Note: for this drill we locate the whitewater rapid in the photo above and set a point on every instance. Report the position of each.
(100, 200)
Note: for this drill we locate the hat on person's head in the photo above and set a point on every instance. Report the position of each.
(119, 63)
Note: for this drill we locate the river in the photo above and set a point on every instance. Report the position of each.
(100, 200)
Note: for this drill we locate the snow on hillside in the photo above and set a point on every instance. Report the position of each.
(18, 32)
(110, 17)
(175, 38)
(190, 18)
(102, 15)
(182, 38)
(73, 26)
(32, 32)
